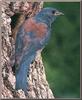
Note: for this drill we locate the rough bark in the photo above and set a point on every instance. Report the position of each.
(38, 85)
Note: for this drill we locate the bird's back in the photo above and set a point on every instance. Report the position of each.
(39, 28)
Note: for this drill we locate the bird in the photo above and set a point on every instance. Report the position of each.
(32, 35)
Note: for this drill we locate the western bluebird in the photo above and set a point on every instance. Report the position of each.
(32, 36)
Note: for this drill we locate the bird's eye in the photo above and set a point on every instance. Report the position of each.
(53, 12)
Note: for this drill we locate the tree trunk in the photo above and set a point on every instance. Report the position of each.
(38, 85)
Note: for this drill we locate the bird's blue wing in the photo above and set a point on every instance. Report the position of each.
(25, 52)
(27, 44)
(22, 46)
(45, 39)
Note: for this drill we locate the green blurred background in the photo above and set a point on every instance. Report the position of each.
(61, 56)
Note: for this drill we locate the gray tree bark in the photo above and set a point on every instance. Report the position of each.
(38, 85)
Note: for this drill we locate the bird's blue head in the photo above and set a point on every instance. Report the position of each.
(48, 15)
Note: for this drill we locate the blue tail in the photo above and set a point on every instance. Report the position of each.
(21, 74)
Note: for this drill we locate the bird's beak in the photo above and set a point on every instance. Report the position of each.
(57, 13)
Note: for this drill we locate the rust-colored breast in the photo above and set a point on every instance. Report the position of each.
(39, 29)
